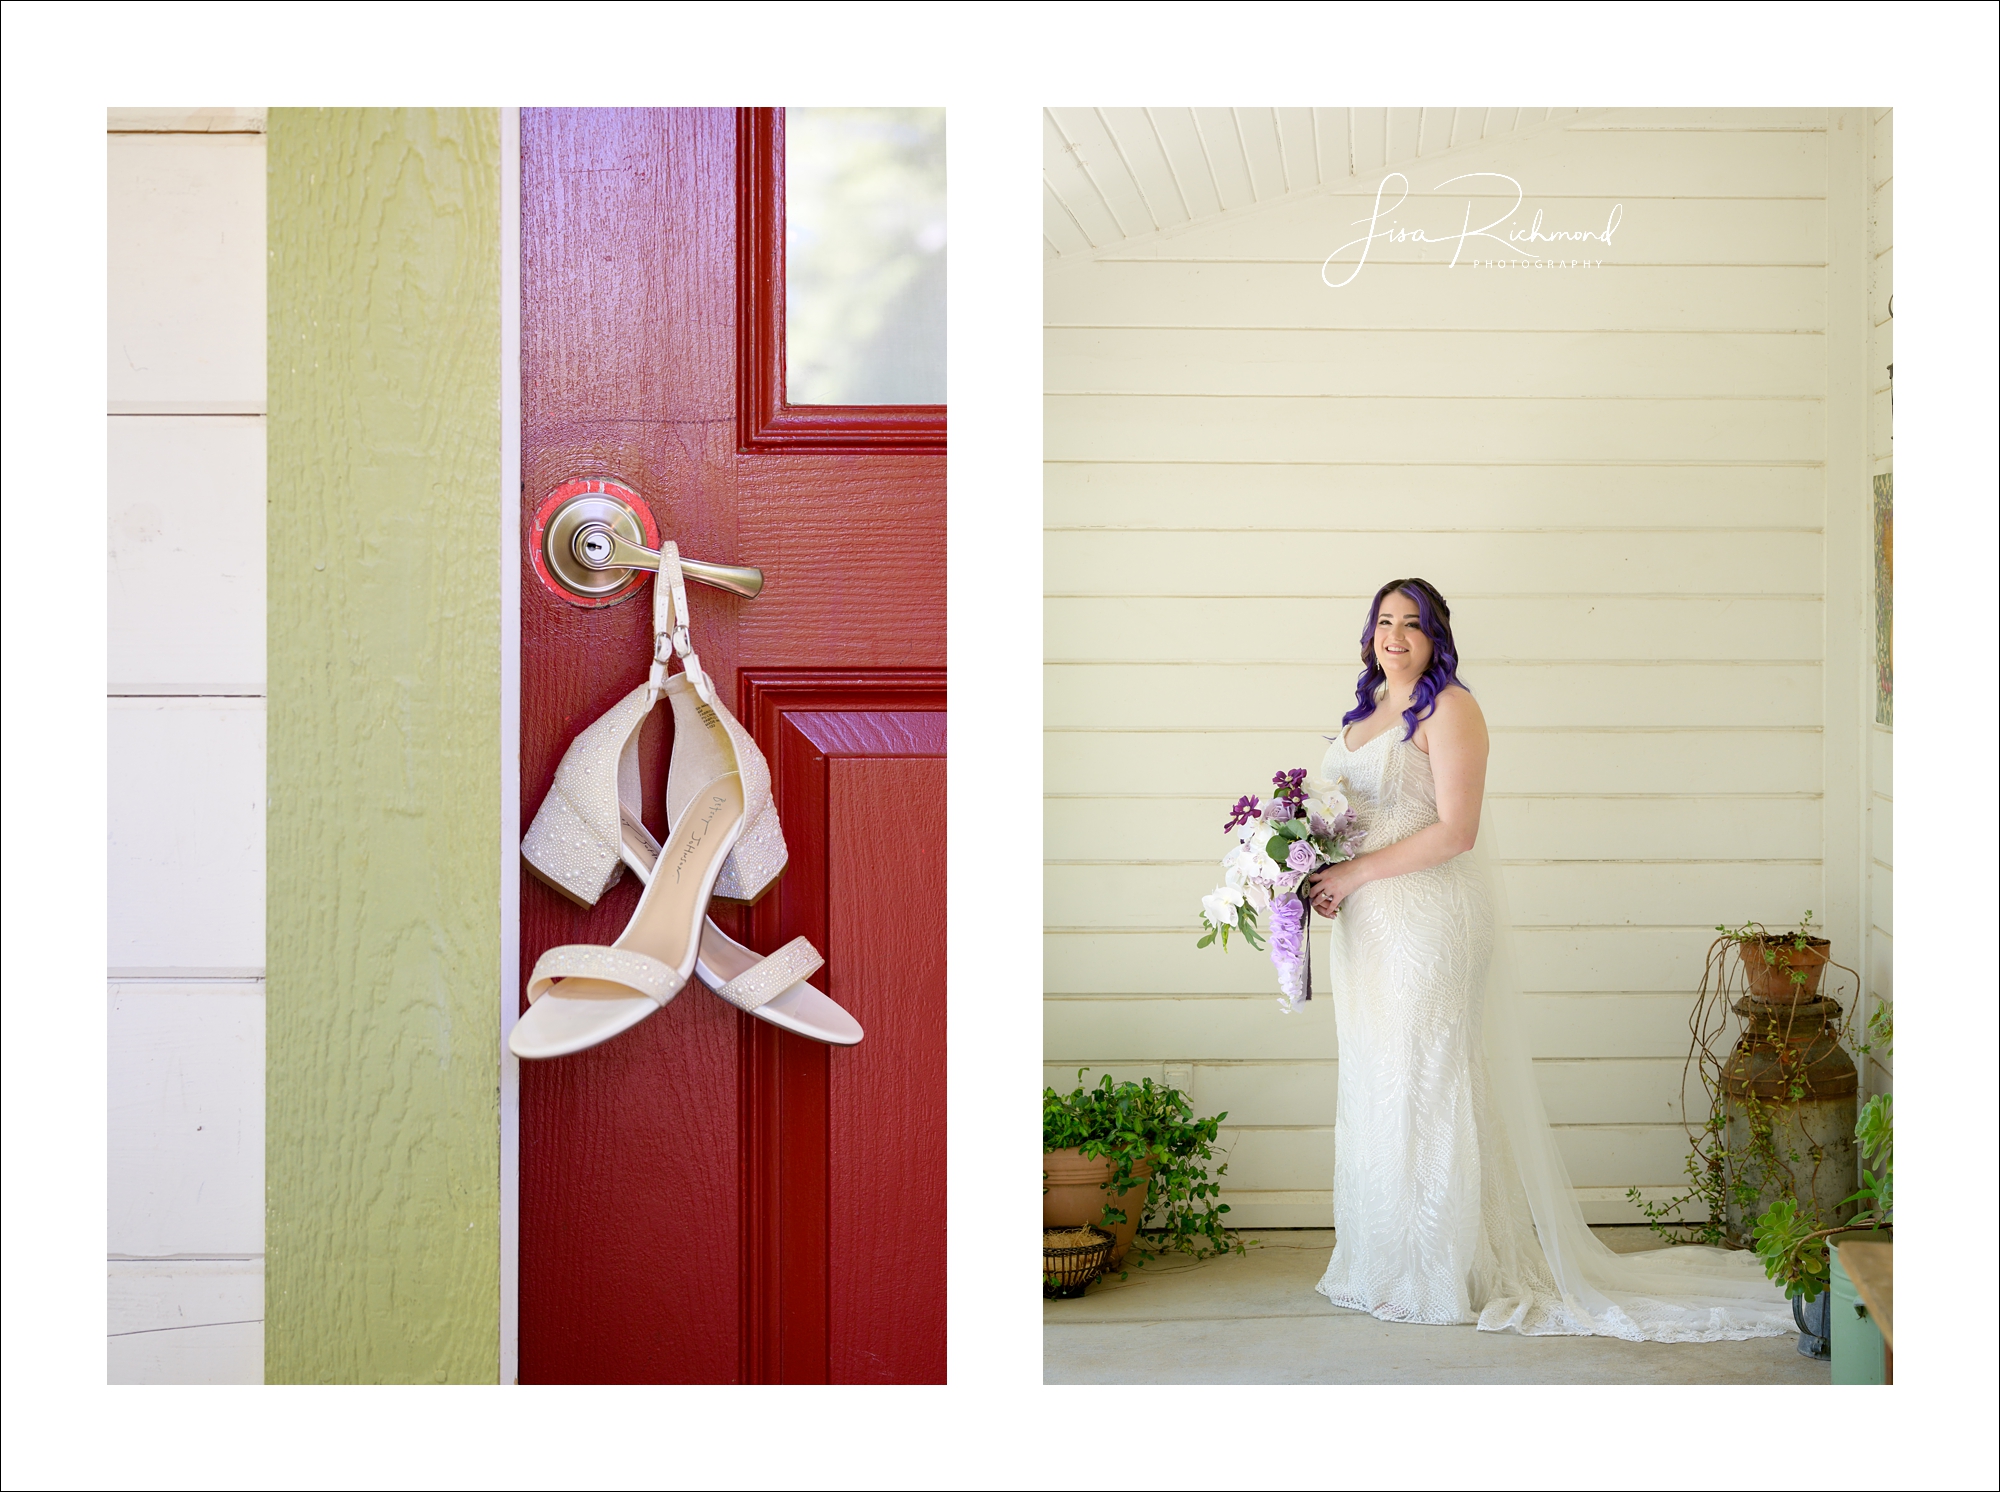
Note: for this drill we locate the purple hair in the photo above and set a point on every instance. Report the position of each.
(1434, 618)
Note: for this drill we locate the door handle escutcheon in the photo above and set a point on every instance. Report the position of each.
(591, 538)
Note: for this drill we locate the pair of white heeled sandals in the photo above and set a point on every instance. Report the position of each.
(723, 842)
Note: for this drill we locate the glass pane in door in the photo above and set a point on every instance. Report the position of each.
(864, 256)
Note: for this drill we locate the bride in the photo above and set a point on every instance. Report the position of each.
(1450, 1200)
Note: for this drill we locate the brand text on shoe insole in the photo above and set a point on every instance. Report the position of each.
(715, 806)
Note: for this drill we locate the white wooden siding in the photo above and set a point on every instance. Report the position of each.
(189, 1321)
(181, 121)
(1619, 475)
(1410, 497)
(185, 686)
(187, 838)
(186, 306)
(187, 613)
(1881, 740)
(187, 1120)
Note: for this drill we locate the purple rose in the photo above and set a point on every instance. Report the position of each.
(1302, 855)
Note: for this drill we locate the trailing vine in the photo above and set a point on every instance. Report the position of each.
(1721, 1172)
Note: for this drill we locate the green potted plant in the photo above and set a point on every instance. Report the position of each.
(1121, 1154)
(1798, 1255)
(1781, 967)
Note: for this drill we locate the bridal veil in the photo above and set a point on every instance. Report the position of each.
(1680, 1294)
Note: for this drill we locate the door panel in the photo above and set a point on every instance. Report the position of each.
(885, 1108)
(827, 1128)
(677, 1182)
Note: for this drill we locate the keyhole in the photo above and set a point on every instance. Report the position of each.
(597, 547)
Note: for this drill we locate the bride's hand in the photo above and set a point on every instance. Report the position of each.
(1334, 885)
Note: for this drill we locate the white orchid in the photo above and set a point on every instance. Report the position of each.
(1327, 799)
(1220, 906)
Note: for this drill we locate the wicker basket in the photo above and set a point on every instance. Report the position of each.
(1071, 1259)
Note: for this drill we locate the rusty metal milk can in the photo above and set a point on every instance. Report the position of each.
(1789, 1098)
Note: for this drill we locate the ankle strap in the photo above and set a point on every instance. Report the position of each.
(670, 630)
(770, 977)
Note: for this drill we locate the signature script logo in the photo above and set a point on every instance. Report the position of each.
(1511, 240)
(715, 804)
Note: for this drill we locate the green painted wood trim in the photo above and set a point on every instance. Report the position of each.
(382, 1151)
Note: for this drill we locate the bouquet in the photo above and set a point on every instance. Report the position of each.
(1305, 826)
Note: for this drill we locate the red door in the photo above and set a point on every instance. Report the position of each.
(706, 1199)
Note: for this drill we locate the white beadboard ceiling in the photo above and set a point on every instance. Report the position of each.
(1113, 175)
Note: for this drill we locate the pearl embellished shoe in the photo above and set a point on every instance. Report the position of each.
(724, 843)
(736, 974)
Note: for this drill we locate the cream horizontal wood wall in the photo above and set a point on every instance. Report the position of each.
(1619, 477)
(1881, 736)
(186, 695)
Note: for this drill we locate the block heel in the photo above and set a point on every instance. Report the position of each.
(566, 854)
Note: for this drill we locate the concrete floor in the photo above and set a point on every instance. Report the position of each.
(1257, 1319)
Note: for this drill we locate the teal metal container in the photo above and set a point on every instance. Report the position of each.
(1857, 1344)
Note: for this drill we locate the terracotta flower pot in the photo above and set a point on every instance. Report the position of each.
(1076, 1196)
(1772, 981)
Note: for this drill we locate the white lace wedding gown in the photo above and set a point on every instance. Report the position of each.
(1450, 1200)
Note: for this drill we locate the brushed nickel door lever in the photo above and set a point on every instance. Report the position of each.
(598, 546)
(593, 544)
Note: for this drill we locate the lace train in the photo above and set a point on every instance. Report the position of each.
(1451, 1202)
